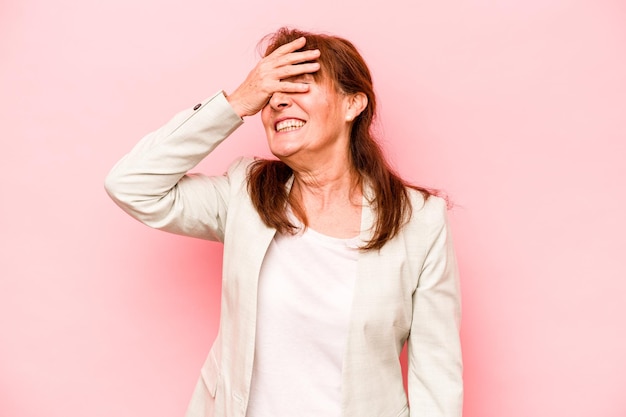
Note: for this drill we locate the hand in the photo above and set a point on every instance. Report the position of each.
(267, 77)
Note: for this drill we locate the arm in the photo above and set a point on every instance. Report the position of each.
(150, 183)
(435, 380)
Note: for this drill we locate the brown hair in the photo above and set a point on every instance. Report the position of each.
(341, 63)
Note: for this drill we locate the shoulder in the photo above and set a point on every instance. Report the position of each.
(429, 217)
(430, 208)
(237, 171)
(428, 222)
(240, 166)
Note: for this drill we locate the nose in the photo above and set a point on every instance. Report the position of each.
(280, 101)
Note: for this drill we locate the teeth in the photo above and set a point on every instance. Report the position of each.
(290, 124)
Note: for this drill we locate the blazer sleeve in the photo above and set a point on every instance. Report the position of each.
(435, 380)
(151, 182)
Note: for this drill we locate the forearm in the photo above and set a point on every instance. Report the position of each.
(150, 182)
(435, 359)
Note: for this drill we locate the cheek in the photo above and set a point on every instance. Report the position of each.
(264, 116)
(265, 119)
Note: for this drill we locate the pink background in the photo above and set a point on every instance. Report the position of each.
(516, 108)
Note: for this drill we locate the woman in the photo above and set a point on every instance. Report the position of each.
(331, 261)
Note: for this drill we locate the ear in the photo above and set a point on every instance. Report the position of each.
(356, 104)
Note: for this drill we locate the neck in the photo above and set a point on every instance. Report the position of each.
(323, 188)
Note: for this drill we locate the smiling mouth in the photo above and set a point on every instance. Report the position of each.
(289, 125)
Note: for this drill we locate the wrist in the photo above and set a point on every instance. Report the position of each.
(236, 104)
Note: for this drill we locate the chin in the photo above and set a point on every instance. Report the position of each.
(283, 156)
(281, 152)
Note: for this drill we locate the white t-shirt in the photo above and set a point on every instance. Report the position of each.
(304, 301)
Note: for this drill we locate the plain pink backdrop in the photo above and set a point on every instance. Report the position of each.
(516, 108)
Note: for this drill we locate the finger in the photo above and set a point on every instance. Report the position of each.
(292, 87)
(298, 57)
(270, 62)
(290, 46)
(288, 71)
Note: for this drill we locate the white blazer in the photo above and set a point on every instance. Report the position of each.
(408, 291)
